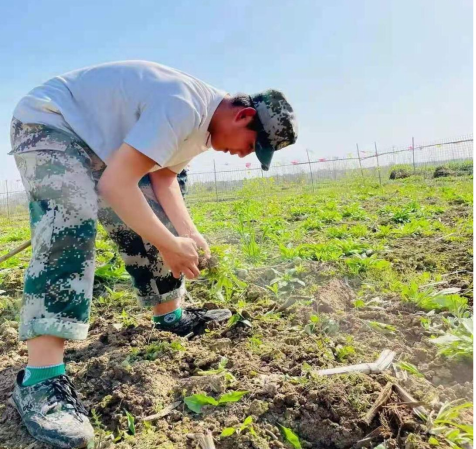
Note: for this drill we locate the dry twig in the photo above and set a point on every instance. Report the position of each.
(164, 412)
(15, 251)
(382, 399)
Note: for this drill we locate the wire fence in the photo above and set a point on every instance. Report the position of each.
(445, 157)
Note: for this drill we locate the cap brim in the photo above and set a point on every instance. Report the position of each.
(264, 155)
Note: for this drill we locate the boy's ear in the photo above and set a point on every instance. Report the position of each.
(245, 114)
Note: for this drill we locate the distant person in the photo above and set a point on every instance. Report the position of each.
(106, 143)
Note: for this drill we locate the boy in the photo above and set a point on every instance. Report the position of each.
(106, 143)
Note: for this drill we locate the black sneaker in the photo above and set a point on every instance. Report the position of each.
(194, 321)
(52, 412)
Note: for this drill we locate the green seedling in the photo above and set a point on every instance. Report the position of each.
(247, 425)
(446, 426)
(197, 401)
(410, 368)
(343, 352)
(321, 324)
(130, 423)
(229, 378)
(238, 318)
(382, 327)
(457, 343)
(127, 320)
(112, 271)
(290, 437)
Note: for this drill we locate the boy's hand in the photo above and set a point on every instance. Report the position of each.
(181, 257)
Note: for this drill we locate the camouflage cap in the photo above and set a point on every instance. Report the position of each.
(278, 125)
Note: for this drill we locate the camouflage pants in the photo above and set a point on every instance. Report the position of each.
(60, 173)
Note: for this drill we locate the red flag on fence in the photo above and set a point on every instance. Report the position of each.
(322, 159)
(248, 164)
(294, 162)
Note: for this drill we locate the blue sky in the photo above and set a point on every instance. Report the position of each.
(355, 70)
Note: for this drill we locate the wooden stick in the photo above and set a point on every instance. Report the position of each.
(382, 363)
(382, 399)
(368, 438)
(15, 251)
(409, 400)
(164, 412)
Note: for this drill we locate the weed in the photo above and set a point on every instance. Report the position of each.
(290, 437)
(197, 401)
(447, 426)
(382, 327)
(247, 425)
(229, 378)
(130, 423)
(457, 342)
(127, 320)
(410, 368)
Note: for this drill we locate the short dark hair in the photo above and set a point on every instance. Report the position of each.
(241, 100)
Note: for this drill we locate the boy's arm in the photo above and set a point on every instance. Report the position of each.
(167, 191)
(119, 187)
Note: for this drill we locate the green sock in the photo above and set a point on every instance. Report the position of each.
(168, 319)
(35, 374)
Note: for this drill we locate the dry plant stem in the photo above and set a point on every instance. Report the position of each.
(406, 397)
(364, 442)
(15, 251)
(382, 399)
(383, 362)
(163, 412)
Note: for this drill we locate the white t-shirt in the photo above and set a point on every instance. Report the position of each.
(162, 112)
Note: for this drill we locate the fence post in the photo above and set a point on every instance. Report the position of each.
(360, 161)
(413, 152)
(8, 205)
(216, 187)
(378, 165)
(310, 169)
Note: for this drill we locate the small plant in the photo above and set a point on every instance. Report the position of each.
(457, 343)
(229, 378)
(446, 426)
(130, 423)
(343, 352)
(112, 271)
(321, 324)
(382, 327)
(197, 401)
(290, 437)
(127, 320)
(238, 318)
(286, 283)
(247, 425)
(155, 349)
(410, 368)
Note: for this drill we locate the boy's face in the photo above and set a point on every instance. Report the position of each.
(232, 135)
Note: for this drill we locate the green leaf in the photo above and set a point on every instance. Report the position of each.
(130, 423)
(197, 401)
(382, 326)
(227, 431)
(410, 368)
(248, 421)
(233, 396)
(234, 319)
(223, 362)
(432, 441)
(291, 437)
